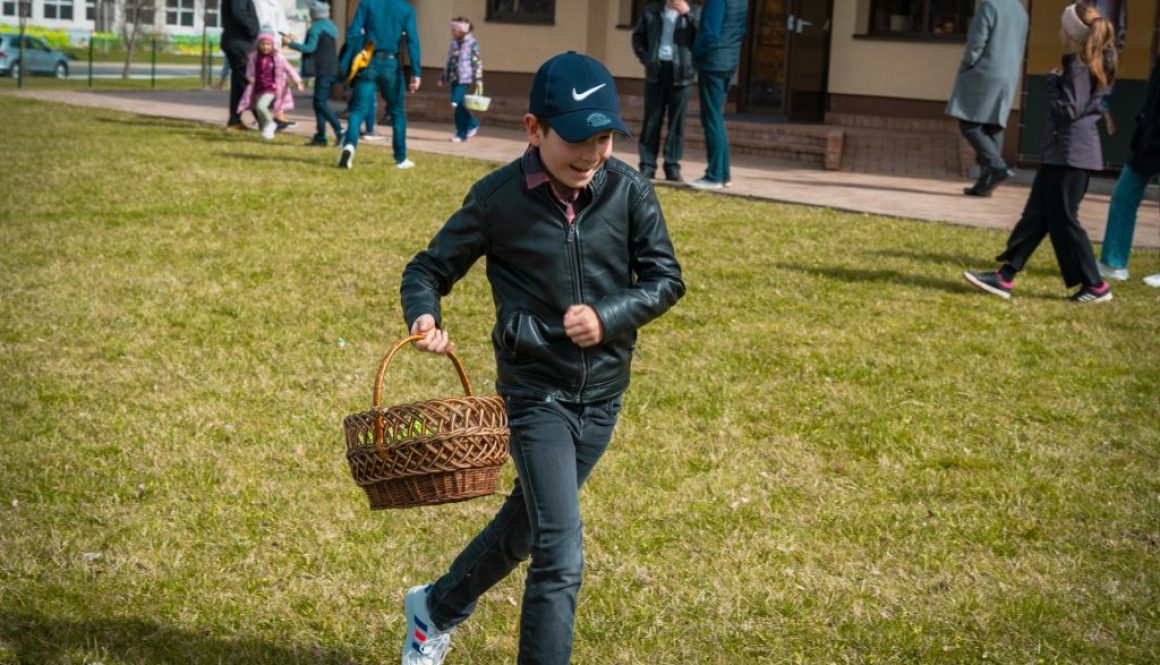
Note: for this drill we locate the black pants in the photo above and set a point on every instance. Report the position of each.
(987, 141)
(237, 52)
(661, 98)
(1052, 210)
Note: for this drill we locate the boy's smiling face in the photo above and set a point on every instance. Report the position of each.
(571, 164)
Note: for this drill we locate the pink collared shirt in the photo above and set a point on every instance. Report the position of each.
(536, 176)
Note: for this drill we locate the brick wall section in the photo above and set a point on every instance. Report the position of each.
(847, 142)
(819, 145)
(902, 146)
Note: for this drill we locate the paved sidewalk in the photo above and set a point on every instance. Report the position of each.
(930, 199)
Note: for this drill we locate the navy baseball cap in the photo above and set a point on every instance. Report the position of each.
(577, 96)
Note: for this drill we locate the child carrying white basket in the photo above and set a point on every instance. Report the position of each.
(463, 70)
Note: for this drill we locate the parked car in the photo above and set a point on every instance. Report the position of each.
(41, 58)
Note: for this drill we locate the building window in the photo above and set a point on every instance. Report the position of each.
(58, 9)
(179, 12)
(211, 14)
(90, 10)
(139, 12)
(8, 8)
(921, 18)
(541, 12)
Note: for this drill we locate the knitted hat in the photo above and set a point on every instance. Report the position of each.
(1072, 26)
(319, 10)
(266, 36)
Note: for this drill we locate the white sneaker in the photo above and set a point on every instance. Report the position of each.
(1118, 274)
(1153, 280)
(705, 183)
(405, 164)
(373, 138)
(346, 159)
(268, 130)
(456, 139)
(424, 644)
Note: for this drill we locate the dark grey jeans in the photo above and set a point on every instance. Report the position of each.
(1052, 210)
(663, 100)
(987, 141)
(554, 446)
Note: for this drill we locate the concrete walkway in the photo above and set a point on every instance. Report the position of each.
(931, 199)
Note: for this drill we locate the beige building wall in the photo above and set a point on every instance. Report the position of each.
(587, 27)
(506, 47)
(887, 68)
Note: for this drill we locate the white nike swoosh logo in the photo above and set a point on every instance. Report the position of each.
(581, 96)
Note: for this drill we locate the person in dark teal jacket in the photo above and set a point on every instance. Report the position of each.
(384, 23)
(716, 52)
(320, 60)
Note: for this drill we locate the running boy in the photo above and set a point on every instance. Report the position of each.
(578, 257)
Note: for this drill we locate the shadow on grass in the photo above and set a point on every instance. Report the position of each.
(317, 158)
(37, 639)
(148, 121)
(960, 261)
(955, 284)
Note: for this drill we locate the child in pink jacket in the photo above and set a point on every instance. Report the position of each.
(268, 94)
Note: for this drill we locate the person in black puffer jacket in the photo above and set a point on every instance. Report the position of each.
(1071, 151)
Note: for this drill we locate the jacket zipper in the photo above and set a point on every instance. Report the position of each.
(572, 245)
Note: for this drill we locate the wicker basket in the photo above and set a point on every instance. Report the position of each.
(477, 102)
(429, 452)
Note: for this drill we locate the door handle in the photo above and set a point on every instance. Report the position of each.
(801, 24)
(789, 23)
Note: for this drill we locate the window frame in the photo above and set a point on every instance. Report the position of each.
(59, 8)
(923, 35)
(14, 4)
(212, 8)
(180, 13)
(496, 15)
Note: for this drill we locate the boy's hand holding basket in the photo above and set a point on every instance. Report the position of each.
(429, 452)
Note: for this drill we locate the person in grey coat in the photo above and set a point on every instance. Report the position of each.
(985, 86)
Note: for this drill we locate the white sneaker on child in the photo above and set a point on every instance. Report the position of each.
(405, 164)
(424, 644)
(268, 130)
(1153, 280)
(346, 157)
(1108, 272)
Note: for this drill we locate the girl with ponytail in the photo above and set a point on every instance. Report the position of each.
(1070, 152)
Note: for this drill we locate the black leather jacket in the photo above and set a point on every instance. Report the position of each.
(616, 256)
(646, 39)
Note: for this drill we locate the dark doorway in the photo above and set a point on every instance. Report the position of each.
(784, 71)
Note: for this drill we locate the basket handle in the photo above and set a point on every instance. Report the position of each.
(378, 397)
(479, 88)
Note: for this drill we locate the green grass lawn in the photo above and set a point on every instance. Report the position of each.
(833, 451)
